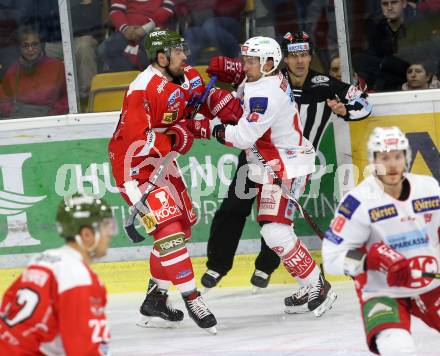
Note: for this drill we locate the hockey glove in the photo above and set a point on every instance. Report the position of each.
(199, 128)
(181, 138)
(228, 70)
(221, 103)
(383, 258)
(219, 133)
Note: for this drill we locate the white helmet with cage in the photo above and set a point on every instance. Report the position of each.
(265, 48)
(386, 139)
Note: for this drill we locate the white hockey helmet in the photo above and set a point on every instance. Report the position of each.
(265, 48)
(385, 139)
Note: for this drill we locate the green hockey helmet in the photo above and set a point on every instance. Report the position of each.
(163, 41)
(79, 210)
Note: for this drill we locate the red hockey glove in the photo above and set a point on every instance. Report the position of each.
(228, 70)
(182, 138)
(199, 128)
(383, 258)
(222, 103)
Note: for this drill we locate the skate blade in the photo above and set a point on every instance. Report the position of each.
(205, 290)
(212, 330)
(302, 309)
(156, 322)
(327, 304)
(256, 290)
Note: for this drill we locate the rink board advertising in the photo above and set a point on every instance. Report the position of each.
(35, 176)
(40, 162)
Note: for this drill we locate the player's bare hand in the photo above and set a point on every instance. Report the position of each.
(337, 107)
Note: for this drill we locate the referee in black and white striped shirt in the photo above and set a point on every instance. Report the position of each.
(318, 98)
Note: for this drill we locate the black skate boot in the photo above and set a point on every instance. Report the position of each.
(297, 302)
(259, 280)
(321, 298)
(210, 279)
(157, 311)
(199, 312)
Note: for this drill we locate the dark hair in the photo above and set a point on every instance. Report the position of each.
(26, 30)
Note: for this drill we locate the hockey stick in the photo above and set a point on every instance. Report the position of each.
(140, 207)
(416, 274)
(286, 191)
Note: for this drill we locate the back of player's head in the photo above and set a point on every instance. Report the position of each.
(297, 43)
(163, 41)
(265, 48)
(79, 211)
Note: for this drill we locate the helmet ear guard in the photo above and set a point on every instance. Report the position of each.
(386, 139)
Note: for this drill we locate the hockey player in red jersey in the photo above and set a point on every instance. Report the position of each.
(271, 124)
(385, 234)
(57, 305)
(154, 122)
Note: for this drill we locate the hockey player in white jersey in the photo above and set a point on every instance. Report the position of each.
(384, 233)
(271, 123)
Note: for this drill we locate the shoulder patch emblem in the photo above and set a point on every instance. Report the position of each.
(258, 104)
(349, 206)
(319, 79)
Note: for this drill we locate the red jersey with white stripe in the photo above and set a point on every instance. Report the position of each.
(151, 105)
(140, 12)
(270, 121)
(55, 307)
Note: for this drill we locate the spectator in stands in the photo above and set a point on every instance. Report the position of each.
(35, 85)
(212, 23)
(132, 21)
(419, 76)
(335, 72)
(394, 41)
(87, 30)
(8, 25)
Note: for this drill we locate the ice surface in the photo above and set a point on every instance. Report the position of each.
(253, 325)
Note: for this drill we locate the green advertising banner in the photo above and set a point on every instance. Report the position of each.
(34, 177)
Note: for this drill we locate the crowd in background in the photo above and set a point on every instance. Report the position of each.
(395, 44)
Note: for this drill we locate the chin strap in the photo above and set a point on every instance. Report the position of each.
(91, 249)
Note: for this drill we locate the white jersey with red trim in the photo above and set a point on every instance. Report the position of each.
(55, 307)
(271, 122)
(367, 215)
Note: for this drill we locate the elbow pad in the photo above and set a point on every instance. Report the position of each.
(354, 262)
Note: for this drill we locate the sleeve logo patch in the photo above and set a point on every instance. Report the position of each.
(382, 212)
(258, 104)
(348, 206)
(253, 117)
(195, 82)
(426, 204)
(332, 237)
(169, 117)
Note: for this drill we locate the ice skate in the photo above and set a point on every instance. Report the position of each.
(259, 280)
(297, 302)
(321, 298)
(157, 311)
(199, 312)
(210, 279)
